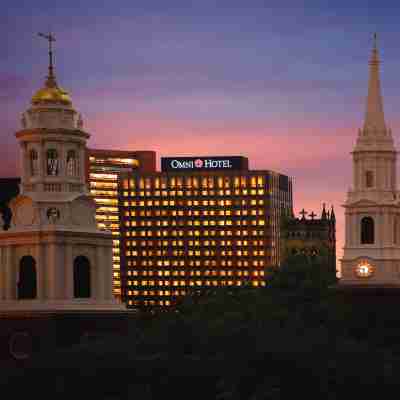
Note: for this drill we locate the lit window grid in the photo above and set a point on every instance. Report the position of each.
(227, 277)
(103, 183)
(113, 225)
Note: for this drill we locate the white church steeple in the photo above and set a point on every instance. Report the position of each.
(374, 132)
(372, 209)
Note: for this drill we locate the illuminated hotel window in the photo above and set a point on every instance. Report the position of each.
(186, 212)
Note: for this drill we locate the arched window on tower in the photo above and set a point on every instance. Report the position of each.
(369, 179)
(367, 230)
(72, 163)
(27, 279)
(34, 162)
(82, 287)
(52, 162)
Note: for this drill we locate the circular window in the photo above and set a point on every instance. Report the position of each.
(364, 269)
(20, 345)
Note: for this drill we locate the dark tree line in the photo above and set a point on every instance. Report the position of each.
(295, 337)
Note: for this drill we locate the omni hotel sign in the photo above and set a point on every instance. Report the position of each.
(169, 164)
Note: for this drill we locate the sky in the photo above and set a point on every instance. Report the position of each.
(281, 82)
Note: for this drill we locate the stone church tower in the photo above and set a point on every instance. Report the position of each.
(372, 209)
(53, 257)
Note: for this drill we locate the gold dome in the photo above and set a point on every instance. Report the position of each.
(50, 94)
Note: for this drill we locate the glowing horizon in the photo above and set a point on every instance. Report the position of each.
(280, 85)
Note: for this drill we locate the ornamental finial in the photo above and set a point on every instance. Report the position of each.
(51, 79)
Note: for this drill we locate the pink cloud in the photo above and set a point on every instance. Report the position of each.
(316, 154)
(318, 159)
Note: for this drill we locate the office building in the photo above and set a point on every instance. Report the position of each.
(103, 168)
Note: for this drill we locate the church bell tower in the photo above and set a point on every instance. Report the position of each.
(372, 209)
(53, 257)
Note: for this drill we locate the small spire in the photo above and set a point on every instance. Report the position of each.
(374, 115)
(333, 217)
(323, 215)
(51, 78)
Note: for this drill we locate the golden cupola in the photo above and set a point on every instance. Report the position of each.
(51, 92)
(51, 106)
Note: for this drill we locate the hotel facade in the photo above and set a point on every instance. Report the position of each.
(200, 223)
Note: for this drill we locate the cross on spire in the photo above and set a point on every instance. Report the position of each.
(51, 81)
(313, 215)
(303, 213)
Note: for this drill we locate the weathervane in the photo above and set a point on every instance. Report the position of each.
(50, 38)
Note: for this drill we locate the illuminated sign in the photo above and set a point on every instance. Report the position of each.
(203, 163)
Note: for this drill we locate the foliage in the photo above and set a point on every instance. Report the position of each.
(302, 272)
(293, 337)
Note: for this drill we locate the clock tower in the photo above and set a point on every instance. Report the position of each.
(372, 210)
(53, 257)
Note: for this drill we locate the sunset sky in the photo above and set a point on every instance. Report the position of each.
(281, 82)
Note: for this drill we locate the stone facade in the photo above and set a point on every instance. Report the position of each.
(311, 236)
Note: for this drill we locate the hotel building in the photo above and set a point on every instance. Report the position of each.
(103, 168)
(200, 223)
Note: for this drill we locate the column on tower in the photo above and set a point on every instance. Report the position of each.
(69, 268)
(41, 272)
(10, 282)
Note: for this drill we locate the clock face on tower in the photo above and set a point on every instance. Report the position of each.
(364, 269)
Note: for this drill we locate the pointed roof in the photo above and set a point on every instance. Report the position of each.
(374, 116)
(333, 217)
(323, 215)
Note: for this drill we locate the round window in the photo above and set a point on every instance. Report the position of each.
(20, 345)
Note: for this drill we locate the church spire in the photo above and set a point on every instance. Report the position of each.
(374, 116)
(333, 217)
(323, 215)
